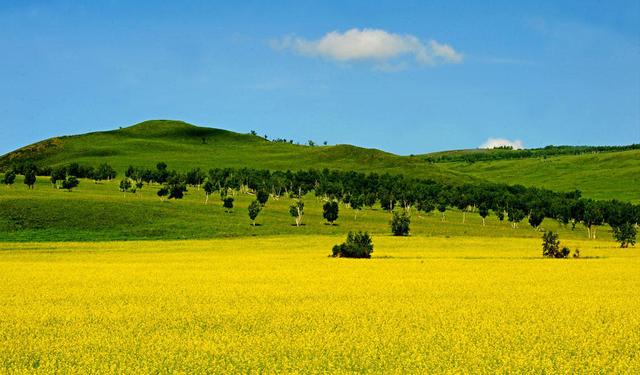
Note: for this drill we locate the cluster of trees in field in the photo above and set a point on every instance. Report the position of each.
(513, 203)
(310, 142)
(394, 193)
(503, 153)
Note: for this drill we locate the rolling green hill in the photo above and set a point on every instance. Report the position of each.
(183, 146)
(606, 175)
(601, 175)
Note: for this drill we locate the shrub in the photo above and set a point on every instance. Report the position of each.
(625, 234)
(358, 245)
(70, 183)
(551, 246)
(227, 203)
(400, 223)
(163, 192)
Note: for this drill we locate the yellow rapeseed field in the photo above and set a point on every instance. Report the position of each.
(279, 304)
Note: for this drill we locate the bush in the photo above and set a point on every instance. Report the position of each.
(227, 203)
(625, 234)
(70, 183)
(358, 245)
(400, 223)
(551, 246)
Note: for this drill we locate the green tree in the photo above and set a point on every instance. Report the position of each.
(357, 202)
(625, 234)
(535, 218)
(400, 223)
(296, 211)
(483, 210)
(30, 178)
(208, 190)
(262, 196)
(330, 211)
(9, 178)
(254, 209)
(592, 216)
(125, 185)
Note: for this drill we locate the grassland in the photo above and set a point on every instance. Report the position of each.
(99, 212)
(279, 304)
(610, 175)
(181, 146)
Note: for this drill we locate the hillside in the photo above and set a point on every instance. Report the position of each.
(183, 146)
(602, 175)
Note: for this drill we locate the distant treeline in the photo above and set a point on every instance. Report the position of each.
(503, 153)
(357, 190)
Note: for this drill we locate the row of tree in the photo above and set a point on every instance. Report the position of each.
(513, 203)
(357, 190)
(507, 152)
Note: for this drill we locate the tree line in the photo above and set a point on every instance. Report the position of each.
(504, 153)
(513, 203)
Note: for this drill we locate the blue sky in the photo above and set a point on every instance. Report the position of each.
(406, 77)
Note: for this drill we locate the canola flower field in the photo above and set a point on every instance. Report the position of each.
(279, 304)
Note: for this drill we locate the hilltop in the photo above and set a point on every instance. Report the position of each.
(183, 146)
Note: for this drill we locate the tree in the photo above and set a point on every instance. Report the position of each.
(442, 207)
(515, 215)
(254, 210)
(195, 177)
(330, 211)
(125, 185)
(591, 216)
(176, 191)
(208, 189)
(163, 192)
(58, 174)
(535, 218)
(357, 202)
(262, 196)
(227, 203)
(358, 245)
(625, 234)
(9, 178)
(483, 210)
(296, 210)
(30, 178)
(400, 223)
(70, 183)
(551, 246)
(104, 172)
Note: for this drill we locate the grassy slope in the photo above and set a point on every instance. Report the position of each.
(99, 212)
(180, 146)
(601, 176)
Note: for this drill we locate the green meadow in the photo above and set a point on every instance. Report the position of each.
(100, 212)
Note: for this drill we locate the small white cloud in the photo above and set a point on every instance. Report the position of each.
(501, 142)
(370, 44)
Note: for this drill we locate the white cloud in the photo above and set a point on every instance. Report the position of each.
(500, 142)
(371, 44)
